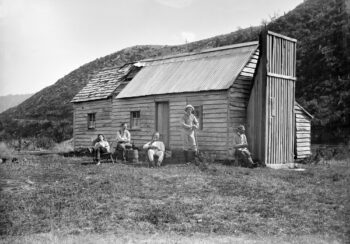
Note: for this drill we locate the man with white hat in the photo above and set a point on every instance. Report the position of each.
(189, 124)
(240, 144)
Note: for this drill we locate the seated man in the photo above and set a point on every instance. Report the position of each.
(123, 140)
(155, 148)
(240, 145)
(100, 145)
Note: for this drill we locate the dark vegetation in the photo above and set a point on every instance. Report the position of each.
(321, 27)
(52, 193)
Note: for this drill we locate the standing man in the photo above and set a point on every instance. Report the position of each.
(189, 124)
(155, 148)
(240, 144)
(123, 140)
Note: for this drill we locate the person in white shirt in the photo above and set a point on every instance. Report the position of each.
(123, 140)
(155, 148)
(100, 145)
(189, 124)
(240, 145)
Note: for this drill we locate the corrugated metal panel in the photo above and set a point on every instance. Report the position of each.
(214, 70)
(102, 84)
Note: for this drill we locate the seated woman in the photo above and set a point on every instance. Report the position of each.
(240, 145)
(155, 148)
(123, 140)
(100, 145)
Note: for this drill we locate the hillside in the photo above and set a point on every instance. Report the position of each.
(9, 101)
(322, 30)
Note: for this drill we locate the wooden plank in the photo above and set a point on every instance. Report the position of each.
(281, 76)
(282, 36)
(238, 95)
(301, 120)
(303, 152)
(299, 135)
(306, 124)
(304, 144)
(219, 115)
(303, 148)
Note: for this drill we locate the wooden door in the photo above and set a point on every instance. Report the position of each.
(162, 121)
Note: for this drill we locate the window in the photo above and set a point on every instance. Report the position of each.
(91, 121)
(135, 120)
(198, 112)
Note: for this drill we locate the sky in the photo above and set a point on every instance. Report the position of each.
(43, 40)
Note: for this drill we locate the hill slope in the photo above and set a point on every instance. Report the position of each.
(9, 101)
(323, 58)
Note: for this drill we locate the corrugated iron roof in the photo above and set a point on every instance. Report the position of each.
(214, 69)
(102, 84)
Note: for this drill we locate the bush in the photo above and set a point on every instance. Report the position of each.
(5, 152)
(44, 142)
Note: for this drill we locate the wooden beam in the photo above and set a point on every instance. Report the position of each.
(286, 77)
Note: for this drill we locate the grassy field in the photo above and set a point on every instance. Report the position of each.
(52, 199)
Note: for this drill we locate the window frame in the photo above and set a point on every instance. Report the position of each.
(198, 112)
(132, 119)
(91, 121)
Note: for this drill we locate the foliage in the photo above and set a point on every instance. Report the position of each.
(322, 29)
(57, 131)
(323, 59)
(52, 193)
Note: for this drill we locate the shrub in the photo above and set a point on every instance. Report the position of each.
(44, 142)
(5, 152)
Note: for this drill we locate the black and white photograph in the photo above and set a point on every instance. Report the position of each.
(175, 121)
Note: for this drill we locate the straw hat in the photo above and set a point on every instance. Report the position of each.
(189, 106)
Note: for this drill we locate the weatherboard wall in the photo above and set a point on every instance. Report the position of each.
(238, 98)
(302, 133)
(211, 139)
(102, 108)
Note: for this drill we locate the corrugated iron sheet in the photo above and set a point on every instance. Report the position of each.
(102, 84)
(209, 70)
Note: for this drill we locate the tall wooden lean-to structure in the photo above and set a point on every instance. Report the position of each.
(271, 104)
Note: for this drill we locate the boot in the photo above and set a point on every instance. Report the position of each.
(190, 156)
(186, 156)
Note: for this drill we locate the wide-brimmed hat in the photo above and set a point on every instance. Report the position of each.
(189, 106)
(241, 128)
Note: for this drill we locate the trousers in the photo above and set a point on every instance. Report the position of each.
(189, 141)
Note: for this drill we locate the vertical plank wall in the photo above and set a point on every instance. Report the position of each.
(256, 123)
(82, 135)
(212, 138)
(280, 93)
(271, 104)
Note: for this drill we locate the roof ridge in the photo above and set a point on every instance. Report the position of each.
(222, 48)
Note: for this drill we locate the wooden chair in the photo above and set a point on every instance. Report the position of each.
(107, 156)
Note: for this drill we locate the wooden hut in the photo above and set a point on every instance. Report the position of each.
(302, 148)
(251, 83)
(93, 105)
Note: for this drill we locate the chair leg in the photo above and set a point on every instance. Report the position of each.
(111, 156)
